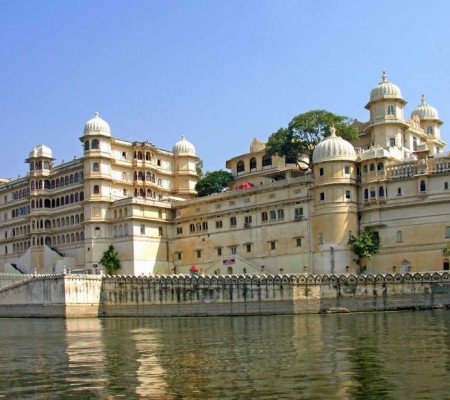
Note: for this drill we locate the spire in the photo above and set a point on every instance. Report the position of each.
(333, 131)
(384, 77)
(423, 101)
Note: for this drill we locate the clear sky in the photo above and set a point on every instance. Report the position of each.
(221, 72)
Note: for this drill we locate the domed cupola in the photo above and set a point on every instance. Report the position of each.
(183, 148)
(334, 148)
(385, 90)
(425, 112)
(96, 126)
(41, 151)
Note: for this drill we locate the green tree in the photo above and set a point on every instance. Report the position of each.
(199, 168)
(305, 131)
(213, 182)
(110, 260)
(446, 251)
(365, 246)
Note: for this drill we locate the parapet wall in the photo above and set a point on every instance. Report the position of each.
(175, 295)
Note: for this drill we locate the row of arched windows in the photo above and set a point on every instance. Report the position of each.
(151, 194)
(19, 194)
(21, 246)
(148, 177)
(20, 211)
(93, 145)
(58, 202)
(120, 230)
(20, 230)
(266, 161)
(37, 165)
(57, 222)
(58, 182)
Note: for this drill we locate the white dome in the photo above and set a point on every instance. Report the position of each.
(334, 148)
(41, 151)
(97, 125)
(385, 90)
(183, 147)
(425, 111)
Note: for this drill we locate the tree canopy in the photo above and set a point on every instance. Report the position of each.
(305, 131)
(213, 182)
(110, 260)
(365, 246)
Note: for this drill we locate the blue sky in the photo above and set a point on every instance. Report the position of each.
(221, 72)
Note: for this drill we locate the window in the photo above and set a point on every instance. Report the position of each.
(298, 242)
(381, 191)
(199, 253)
(298, 213)
(219, 224)
(179, 230)
(95, 166)
(390, 110)
(414, 143)
(233, 250)
(96, 189)
(380, 166)
(240, 167)
(219, 251)
(124, 155)
(273, 215)
(399, 236)
(348, 194)
(160, 230)
(178, 254)
(373, 193)
(322, 196)
(248, 219)
(447, 232)
(391, 142)
(94, 145)
(142, 229)
(273, 245)
(445, 185)
(252, 163)
(205, 225)
(267, 161)
(347, 169)
(191, 228)
(372, 167)
(281, 214)
(86, 145)
(97, 232)
(321, 171)
(430, 130)
(423, 186)
(233, 222)
(264, 216)
(399, 191)
(248, 247)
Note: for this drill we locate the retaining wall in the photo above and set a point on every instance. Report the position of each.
(87, 296)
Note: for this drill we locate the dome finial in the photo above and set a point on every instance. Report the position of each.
(423, 101)
(333, 131)
(384, 77)
(96, 114)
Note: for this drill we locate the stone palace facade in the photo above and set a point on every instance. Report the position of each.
(275, 218)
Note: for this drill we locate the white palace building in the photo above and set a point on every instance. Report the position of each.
(275, 218)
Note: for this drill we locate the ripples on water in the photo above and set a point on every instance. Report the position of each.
(345, 356)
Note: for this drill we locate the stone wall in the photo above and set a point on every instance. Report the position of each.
(175, 295)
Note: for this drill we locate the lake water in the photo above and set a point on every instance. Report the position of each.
(341, 356)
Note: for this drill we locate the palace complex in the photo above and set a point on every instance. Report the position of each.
(275, 218)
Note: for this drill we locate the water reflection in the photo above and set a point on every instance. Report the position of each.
(358, 356)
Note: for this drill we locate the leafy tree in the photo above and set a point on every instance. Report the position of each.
(213, 182)
(366, 245)
(110, 260)
(305, 131)
(199, 168)
(446, 251)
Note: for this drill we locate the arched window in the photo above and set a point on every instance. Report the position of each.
(97, 231)
(71, 178)
(267, 161)
(280, 213)
(390, 110)
(381, 191)
(95, 166)
(86, 145)
(94, 144)
(273, 215)
(139, 155)
(252, 163)
(148, 157)
(423, 186)
(240, 167)
(380, 166)
(399, 236)
(264, 216)
(66, 180)
(430, 130)
(372, 167)
(414, 143)
(191, 228)
(233, 222)
(447, 232)
(96, 189)
(75, 177)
